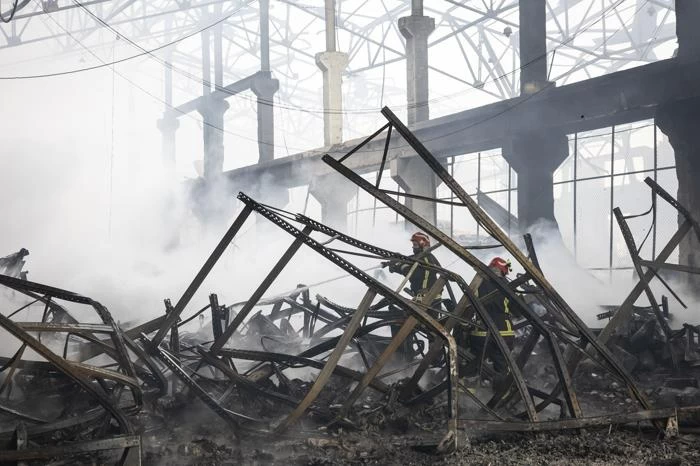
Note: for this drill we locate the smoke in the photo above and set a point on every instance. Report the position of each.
(142, 244)
(585, 293)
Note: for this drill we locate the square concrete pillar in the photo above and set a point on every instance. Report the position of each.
(680, 121)
(264, 87)
(333, 192)
(535, 157)
(212, 111)
(415, 177)
(416, 30)
(332, 65)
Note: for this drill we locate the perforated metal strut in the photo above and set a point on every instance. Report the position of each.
(316, 246)
(348, 239)
(18, 284)
(388, 293)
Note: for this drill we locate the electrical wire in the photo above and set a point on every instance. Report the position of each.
(150, 94)
(149, 53)
(522, 100)
(104, 64)
(210, 84)
(15, 8)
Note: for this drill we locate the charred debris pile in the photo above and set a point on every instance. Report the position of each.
(304, 367)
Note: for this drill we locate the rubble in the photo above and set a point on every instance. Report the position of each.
(130, 394)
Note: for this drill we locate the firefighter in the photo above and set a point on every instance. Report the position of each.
(422, 278)
(500, 312)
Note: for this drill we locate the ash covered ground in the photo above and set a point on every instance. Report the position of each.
(208, 444)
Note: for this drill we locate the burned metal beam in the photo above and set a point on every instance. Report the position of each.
(450, 438)
(172, 317)
(627, 305)
(502, 238)
(632, 249)
(404, 332)
(332, 361)
(258, 293)
(46, 452)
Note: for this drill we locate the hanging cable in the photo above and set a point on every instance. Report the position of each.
(150, 54)
(111, 150)
(16, 6)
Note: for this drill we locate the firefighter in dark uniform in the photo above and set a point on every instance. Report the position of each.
(500, 312)
(420, 280)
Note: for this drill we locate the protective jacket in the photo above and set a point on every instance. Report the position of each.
(422, 278)
(498, 308)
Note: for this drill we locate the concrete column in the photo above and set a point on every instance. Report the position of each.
(414, 177)
(533, 46)
(535, 157)
(416, 29)
(264, 88)
(212, 111)
(687, 31)
(168, 125)
(680, 121)
(333, 192)
(332, 65)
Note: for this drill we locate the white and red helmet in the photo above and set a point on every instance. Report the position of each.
(421, 239)
(501, 264)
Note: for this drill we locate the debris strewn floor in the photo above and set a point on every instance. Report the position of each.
(299, 378)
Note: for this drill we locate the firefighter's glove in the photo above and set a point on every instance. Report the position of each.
(393, 266)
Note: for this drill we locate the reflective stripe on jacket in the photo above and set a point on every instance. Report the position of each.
(499, 311)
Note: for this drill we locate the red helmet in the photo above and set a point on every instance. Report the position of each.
(421, 238)
(501, 264)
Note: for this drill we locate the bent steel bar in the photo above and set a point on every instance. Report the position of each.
(258, 293)
(467, 257)
(632, 249)
(19, 285)
(529, 267)
(173, 317)
(332, 361)
(123, 358)
(404, 332)
(46, 452)
(235, 420)
(606, 420)
(68, 369)
(674, 202)
(388, 293)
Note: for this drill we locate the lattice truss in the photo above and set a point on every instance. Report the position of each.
(585, 38)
